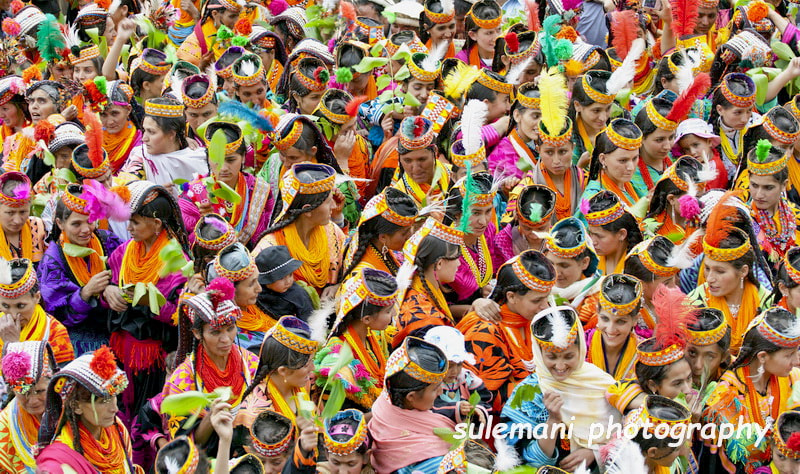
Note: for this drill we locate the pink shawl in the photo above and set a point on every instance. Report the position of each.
(404, 437)
(56, 455)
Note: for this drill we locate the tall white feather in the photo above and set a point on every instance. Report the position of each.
(560, 329)
(318, 321)
(685, 75)
(5, 272)
(404, 275)
(624, 74)
(448, 6)
(71, 35)
(708, 172)
(172, 465)
(682, 255)
(431, 61)
(211, 72)
(516, 71)
(582, 469)
(248, 67)
(507, 457)
(176, 84)
(472, 119)
(625, 458)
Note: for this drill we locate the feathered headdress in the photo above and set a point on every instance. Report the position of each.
(102, 203)
(721, 220)
(625, 29)
(431, 61)
(472, 119)
(684, 17)
(554, 101)
(623, 456)
(240, 111)
(351, 109)
(554, 49)
(762, 150)
(458, 81)
(683, 104)
(532, 9)
(513, 75)
(49, 40)
(675, 314)
(625, 73)
(94, 138)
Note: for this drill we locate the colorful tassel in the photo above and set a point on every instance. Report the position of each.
(762, 150)
(103, 363)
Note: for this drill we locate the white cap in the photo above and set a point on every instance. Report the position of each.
(451, 342)
(407, 11)
(696, 126)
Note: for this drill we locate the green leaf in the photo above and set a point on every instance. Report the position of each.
(386, 109)
(448, 435)
(377, 48)
(79, 251)
(216, 149)
(398, 108)
(155, 299)
(188, 269)
(138, 292)
(224, 393)
(411, 101)
(782, 50)
(179, 181)
(305, 407)
(390, 16)
(762, 83)
(335, 399)
(48, 158)
(226, 193)
(383, 82)
(524, 393)
(184, 404)
(66, 175)
(368, 64)
(173, 258)
(474, 398)
(403, 53)
(402, 74)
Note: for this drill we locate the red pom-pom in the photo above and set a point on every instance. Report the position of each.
(104, 4)
(352, 107)
(219, 290)
(793, 442)
(419, 127)
(512, 42)
(65, 53)
(243, 27)
(757, 11)
(44, 130)
(16, 6)
(16, 366)
(103, 363)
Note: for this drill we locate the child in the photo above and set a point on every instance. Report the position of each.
(459, 383)
(694, 137)
(280, 294)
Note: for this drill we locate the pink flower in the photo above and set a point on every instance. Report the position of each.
(11, 27)
(325, 371)
(689, 207)
(16, 366)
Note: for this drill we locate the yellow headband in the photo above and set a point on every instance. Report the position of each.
(498, 86)
(624, 308)
(163, 110)
(629, 144)
(528, 279)
(86, 54)
(553, 138)
(659, 120)
(660, 357)
(290, 340)
(291, 138)
(725, 255)
(594, 94)
(400, 361)
(488, 24)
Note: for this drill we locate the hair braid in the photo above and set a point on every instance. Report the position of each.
(430, 292)
(365, 236)
(262, 373)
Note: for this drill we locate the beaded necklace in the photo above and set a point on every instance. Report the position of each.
(752, 399)
(778, 239)
(483, 270)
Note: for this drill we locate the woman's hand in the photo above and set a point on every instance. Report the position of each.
(486, 309)
(308, 434)
(328, 293)
(113, 296)
(553, 403)
(126, 29)
(196, 284)
(96, 284)
(575, 458)
(10, 327)
(222, 419)
(344, 144)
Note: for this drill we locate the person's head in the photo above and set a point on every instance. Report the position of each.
(438, 22)
(611, 227)
(451, 341)
(672, 191)
(27, 369)
(235, 264)
(591, 103)
(15, 202)
(729, 258)
(45, 98)
(769, 175)
(494, 91)
(477, 190)
(708, 11)
(658, 132)
(276, 267)
(616, 151)
(787, 280)
(482, 25)
(210, 321)
(559, 342)
(289, 26)
(349, 55)
(267, 45)
(416, 150)
(250, 80)
(271, 440)
(652, 262)
(368, 297)
(86, 63)
(299, 140)
(235, 149)
(414, 374)
(424, 75)
(385, 226)
(658, 413)
(524, 283)
(224, 69)
(779, 126)
(785, 443)
(555, 151)
(183, 453)
(708, 348)
(164, 126)
(117, 114)
(620, 300)
(770, 343)
(308, 83)
(347, 442)
(212, 233)
(147, 78)
(526, 112)
(733, 101)
(71, 219)
(533, 215)
(200, 99)
(13, 106)
(223, 12)
(438, 249)
(153, 211)
(306, 194)
(568, 250)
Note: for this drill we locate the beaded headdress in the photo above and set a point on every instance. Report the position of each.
(379, 206)
(742, 101)
(66, 134)
(516, 53)
(535, 205)
(97, 168)
(169, 455)
(73, 200)
(791, 270)
(28, 18)
(369, 29)
(703, 337)
(22, 193)
(9, 87)
(620, 294)
(435, 229)
(416, 133)
(216, 306)
(651, 253)
(788, 446)
(205, 98)
(281, 333)
(613, 209)
(357, 289)
(562, 331)
(86, 54)
(524, 274)
(590, 83)
(447, 15)
(233, 263)
(356, 437)
(403, 360)
(227, 233)
(271, 447)
(248, 70)
(24, 363)
(404, 37)
(760, 161)
(489, 23)
(621, 141)
(287, 132)
(669, 339)
(95, 371)
(14, 289)
(292, 185)
(787, 337)
(154, 62)
(325, 109)
(527, 101)
(455, 461)
(230, 146)
(554, 243)
(224, 65)
(720, 226)
(318, 81)
(424, 67)
(163, 108)
(786, 137)
(644, 418)
(501, 87)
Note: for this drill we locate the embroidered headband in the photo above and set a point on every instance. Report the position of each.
(658, 357)
(440, 18)
(459, 158)
(416, 133)
(438, 111)
(86, 54)
(227, 237)
(618, 140)
(659, 120)
(498, 86)
(22, 194)
(281, 333)
(235, 275)
(154, 62)
(204, 99)
(72, 199)
(379, 206)
(646, 257)
(279, 446)
(555, 247)
(24, 363)
(248, 70)
(153, 108)
(230, 147)
(291, 185)
(527, 101)
(356, 290)
(623, 307)
(791, 270)
(789, 447)
(91, 173)
(786, 138)
(288, 141)
(593, 93)
(727, 255)
(526, 216)
(644, 418)
(556, 138)
(788, 338)
(334, 427)
(189, 465)
(605, 216)
(400, 361)
(487, 24)
(745, 101)
(415, 67)
(711, 336)
(526, 277)
(562, 317)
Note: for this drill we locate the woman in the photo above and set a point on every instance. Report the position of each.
(577, 276)
(202, 40)
(653, 262)
(516, 153)
(307, 82)
(21, 235)
(235, 264)
(786, 292)
(731, 110)
(285, 366)
(530, 213)
(13, 109)
(438, 25)
(80, 428)
(273, 55)
(386, 224)
(365, 309)
(757, 386)
(504, 349)
(349, 54)
(730, 284)
(44, 98)
(143, 331)
(61, 143)
(27, 369)
(708, 348)
(208, 356)
(420, 174)
(402, 422)
(674, 205)
(200, 99)
(611, 345)
(431, 261)
(482, 25)
(570, 390)
(164, 155)
(120, 134)
(346, 443)
(658, 134)
(613, 231)
(302, 222)
(589, 110)
(249, 216)
(614, 160)
(73, 285)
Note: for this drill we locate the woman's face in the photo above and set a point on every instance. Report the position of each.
(228, 172)
(267, 56)
(41, 105)
(77, 228)
(247, 291)
(380, 320)
(531, 73)
(528, 304)
(13, 219)
(22, 306)
(152, 89)
(292, 156)
(217, 341)
(568, 270)
(12, 115)
(229, 18)
(607, 242)
(63, 157)
(274, 464)
(419, 89)
(735, 117)
(299, 378)
(144, 228)
(562, 364)
(353, 463)
(780, 363)
(446, 269)
(678, 380)
(480, 219)
(532, 234)
(785, 464)
(419, 165)
(422, 400)
(443, 32)
(620, 164)
(527, 122)
(670, 85)
(308, 103)
(115, 118)
(485, 38)
(657, 145)
(61, 70)
(594, 116)
(322, 214)
(702, 358)
(696, 147)
(34, 401)
(156, 139)
(766, 191)
(84, 71)
(615, 328)
(102, 413)
(197, 117)
(722, 277)
(397, 239)
(556, 159)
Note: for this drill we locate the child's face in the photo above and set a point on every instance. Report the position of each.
(282, 285)
(695, 146)
(353, 463)
(499, 107)
(453, 371)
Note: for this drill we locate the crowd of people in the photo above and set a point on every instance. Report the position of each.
(399, 237)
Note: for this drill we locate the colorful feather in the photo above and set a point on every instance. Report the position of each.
(512, 42)
(347, 10)
(431, 61)
(762, 150)
(242, 112)
(721, 220)
(458, 81)
(94, 137)
(685, 74)
(102, 203)
(49, 40)
(532, 9)
(472, 120)
(625, 29)
(554, 101)
(684, 103)
(515, 72)
(466, 199)
(625, 73)
(684, 17)
(351, 109)
(675, 314)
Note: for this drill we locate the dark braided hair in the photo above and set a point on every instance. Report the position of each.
(507, 279)
(687, 168)
(430, 251)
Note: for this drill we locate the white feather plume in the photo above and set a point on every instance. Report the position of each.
(448, 6)
(582, 469)
(516, 71)
(685, 74)
(172, 465)
(248, 67)
(507, 457)
(793, 331)
(472, 119)
(708, 172)
(625, 457)
(176, 84)
(329, 5)
(682, 255)
(5, 272)
(404, 276)
(211, 72)
(435, 206)
(624, 74)
(560, 330)
(318, 321)
(71, 35)
(114, 7)
(344, 178)
(431, 61)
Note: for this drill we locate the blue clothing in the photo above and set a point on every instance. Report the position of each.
(428, 466)
(530, 413)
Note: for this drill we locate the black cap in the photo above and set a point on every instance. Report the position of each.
(275, 263)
